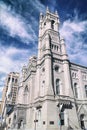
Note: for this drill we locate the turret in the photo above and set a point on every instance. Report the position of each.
(63, 49)
(49, 21)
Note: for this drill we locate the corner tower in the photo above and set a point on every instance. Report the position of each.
(49, 32)
(51, 48)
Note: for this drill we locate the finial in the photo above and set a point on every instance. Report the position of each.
(47, 10)
(56, 12)
(41, 16)
(62, 40)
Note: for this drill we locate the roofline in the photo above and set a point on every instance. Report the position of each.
(78, 65)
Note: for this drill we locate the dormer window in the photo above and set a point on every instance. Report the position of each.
(52, 24)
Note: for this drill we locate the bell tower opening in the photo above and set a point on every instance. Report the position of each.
(48, 22)
(52, 24)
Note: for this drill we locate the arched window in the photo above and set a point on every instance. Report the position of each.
(62, 118)
(82, 121)
(57, 86)
(16, 80)
(86, 90)
(12, 79)
(56, 68)
(75, 90)
(8, 79)
(26, 95)
(15, 117)
(52, 24)
(20, 124)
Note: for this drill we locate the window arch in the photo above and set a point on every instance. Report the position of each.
(82, 121)
(16, 80)
(20, 123)
(86, 90)
(8, 79)
(52, 24)
(57, 86)
(56, 68)
(75, 90)
(26, 89)
(12, 79)
(26, 95)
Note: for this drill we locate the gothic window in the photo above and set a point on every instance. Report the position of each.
(12, 79)
(75, 90)
(57, 68)
(8, 79)
(20, 124)
(52, 24)
(52, 46)
(16, 80)
(86, 90)
(26, 92)
(82, 121)
(43, 69)
(57, 86)
(62, 118)
(14, 117)
(73, 74)
(9, 120)
(57, 48)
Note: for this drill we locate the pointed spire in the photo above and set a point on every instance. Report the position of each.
(62, 40)
(56, 12)
(47, 10)
(41, 16)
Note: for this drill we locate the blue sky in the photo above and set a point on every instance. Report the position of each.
(19, 21)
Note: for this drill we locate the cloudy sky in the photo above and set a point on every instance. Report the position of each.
(19, 31)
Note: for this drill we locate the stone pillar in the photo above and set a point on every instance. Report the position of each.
(80, 85)
(48, 72)
(67, 85)
(63, 49)
(37, 84)
(48, 66)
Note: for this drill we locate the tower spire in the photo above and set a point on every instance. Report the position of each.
(47, 10)
(56, 12)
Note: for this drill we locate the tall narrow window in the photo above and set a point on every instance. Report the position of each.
(8, 79)
(82, 121)
(62, 118)
(12, 79)
(57, 86)
(20, 124)
(75, 90)
(16, 80)
(52, 24)
(26, 92)
(86, 90)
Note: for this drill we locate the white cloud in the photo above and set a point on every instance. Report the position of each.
(39, 7)
(9, 62)
(12, 60)
(16, 25)
(72, 32)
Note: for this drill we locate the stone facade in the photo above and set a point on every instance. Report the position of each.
(9, 96)
(52, 93)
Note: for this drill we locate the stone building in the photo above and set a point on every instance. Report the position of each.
(52, 93)
(9, 95)
(0, 107)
